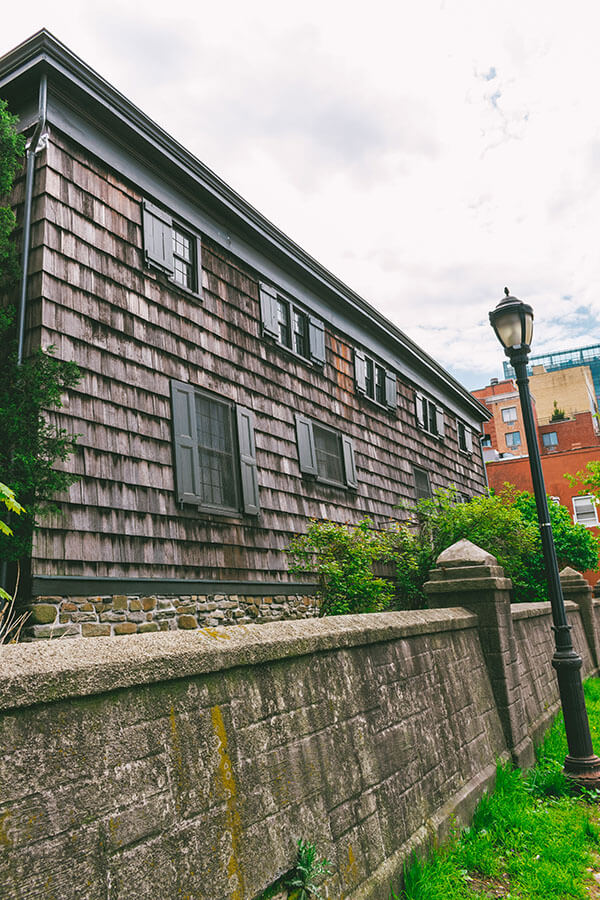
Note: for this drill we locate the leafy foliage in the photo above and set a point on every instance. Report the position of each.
(12, 147)
(31, 442)
(309, 871)
(342, 558)
(587, 479)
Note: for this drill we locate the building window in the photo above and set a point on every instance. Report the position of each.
(465, 438)
(430, 417)
(374, 380)
(486, 440)
(325, 453)
(422, 485)
(509, 414)
(513, 438)
(170, 248)
(184, 259)
(215, 456)
(290, 326)
(555, 500)
(585, 510)
(550, 439)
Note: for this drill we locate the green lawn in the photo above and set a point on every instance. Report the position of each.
(531, 838)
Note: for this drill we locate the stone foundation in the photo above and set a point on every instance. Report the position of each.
(116, 614)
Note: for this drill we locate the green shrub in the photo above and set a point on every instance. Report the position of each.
(342, 558)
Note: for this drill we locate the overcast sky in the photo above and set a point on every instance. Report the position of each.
(427, 153)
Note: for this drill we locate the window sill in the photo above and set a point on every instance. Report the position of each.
(390, 410)
(289, 352)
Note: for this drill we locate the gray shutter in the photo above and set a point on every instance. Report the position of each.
(316, 340)
(439, 421)
(248, 469)
(391, 390)
(187, 468)
(349, 465)
(268, 310)
(307, 456)
(360, 371)
(420, 411)
(469, 440)
(158, 237)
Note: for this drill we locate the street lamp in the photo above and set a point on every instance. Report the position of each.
(512, 320)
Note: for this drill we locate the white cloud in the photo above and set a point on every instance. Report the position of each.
(428, 154)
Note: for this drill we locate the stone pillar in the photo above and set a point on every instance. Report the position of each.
(596, 593)
(467, 576)
(575, 587)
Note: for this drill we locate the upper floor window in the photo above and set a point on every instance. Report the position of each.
(513, 438)
(215, 457)
(291, 326)
(422, 484)
(585, 510)
(374, 380)
(325, 453)
(550, 439)
(171, 248)
(465, 438)
(509, 414)
(430, 417)
(486, 440)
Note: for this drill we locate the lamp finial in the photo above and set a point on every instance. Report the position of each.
(506, 291)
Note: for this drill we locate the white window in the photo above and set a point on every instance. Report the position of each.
(513, 438)
(585, 510)
(550, 439)
(429, 416)
(509, 414)
(465, 438)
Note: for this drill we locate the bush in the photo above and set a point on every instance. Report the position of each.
(342, 558)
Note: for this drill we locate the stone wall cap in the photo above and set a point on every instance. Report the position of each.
(36, 673)
(465, 553)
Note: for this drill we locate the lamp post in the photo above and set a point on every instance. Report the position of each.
(512, 320)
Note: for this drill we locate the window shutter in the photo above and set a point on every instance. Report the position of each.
(391, 390)
(158, 237)
(316, 340)
(349, 465)
(360, 371)
(439, 421)
(187, 468)
(420, 410)
(307, 456)
(469, 440)
(268, 310)
(248, 468)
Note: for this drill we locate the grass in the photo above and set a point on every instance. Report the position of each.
(534, 837)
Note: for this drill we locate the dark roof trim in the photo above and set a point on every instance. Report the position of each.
(44, 51)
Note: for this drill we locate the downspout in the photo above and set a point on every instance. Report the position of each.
(37, 142)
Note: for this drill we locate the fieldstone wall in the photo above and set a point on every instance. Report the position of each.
(118, 614)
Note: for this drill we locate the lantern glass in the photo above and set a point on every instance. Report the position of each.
(528, 328)
(509, 329)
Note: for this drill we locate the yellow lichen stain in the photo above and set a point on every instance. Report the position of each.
(5, 840)
(351, 868)
(177, 758)
(213, 633)
(227, 783)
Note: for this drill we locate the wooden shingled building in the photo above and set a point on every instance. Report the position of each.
(232, 387)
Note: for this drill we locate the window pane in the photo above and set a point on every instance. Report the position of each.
(380, 384)
(328, 448)
(550, 439)
(486, 441)
(370, 379)
(513, 438)
(584, 510)
(422, 484)
(215, 452)
(300, 333)
(183, 259)
(283, 321)
(509, 414)
(432, 417)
